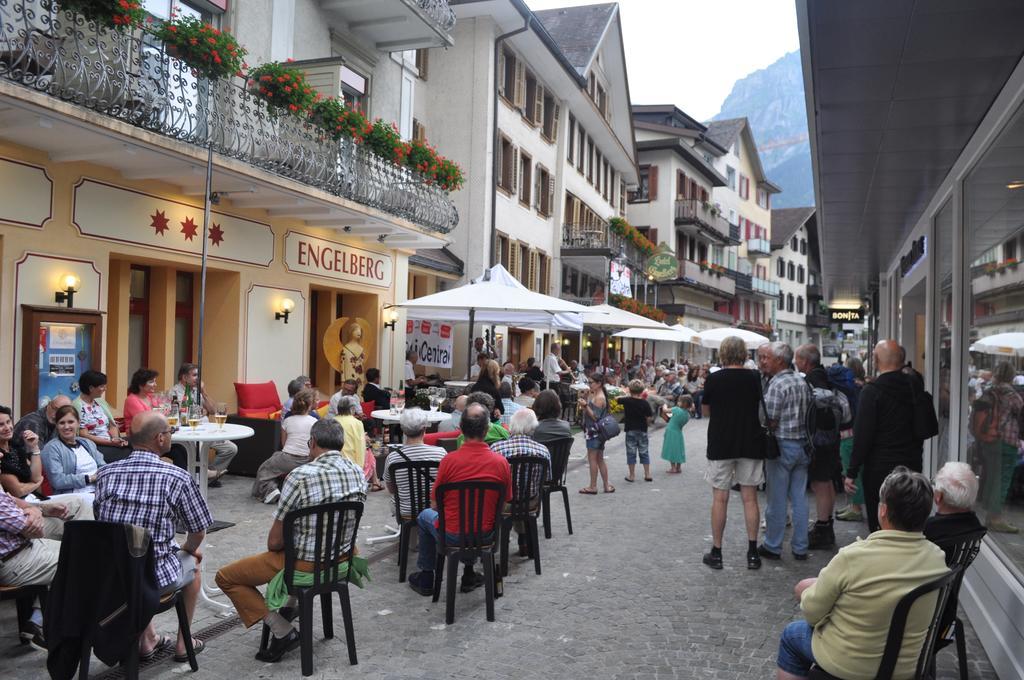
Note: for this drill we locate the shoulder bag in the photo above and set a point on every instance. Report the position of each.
(771, 444)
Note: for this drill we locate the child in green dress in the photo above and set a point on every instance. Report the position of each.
(673, 448)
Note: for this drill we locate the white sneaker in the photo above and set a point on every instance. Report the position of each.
(272, 497)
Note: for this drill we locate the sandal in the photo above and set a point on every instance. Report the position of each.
(376, 487)
(197, 646)
(163, 643)
(648, 479)
(629, 480)
(588, 492)
(610, 489)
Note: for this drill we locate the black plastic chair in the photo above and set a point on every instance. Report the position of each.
(560, 450)
(960, 553)
(475, 542)
(528, 473)
(449, 445)
(335, 526)
(131, 664)
(418, 477)
(894, 641)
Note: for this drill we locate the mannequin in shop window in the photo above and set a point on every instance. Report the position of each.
(353, 354)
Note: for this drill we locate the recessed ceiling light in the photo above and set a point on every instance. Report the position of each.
(1016, 184)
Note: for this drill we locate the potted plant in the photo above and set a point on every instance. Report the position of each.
(283, 88)
(449, 175)
(108, 13)
(383, 139)
(210, 52)
(337, 119)
(422, 158)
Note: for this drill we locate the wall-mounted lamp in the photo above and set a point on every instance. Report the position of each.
(588, 344)
(69, 284)
(611, 344)
(565, 342)
(391, 318)
(284, 309)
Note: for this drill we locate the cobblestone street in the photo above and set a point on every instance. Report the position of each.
(626, 596)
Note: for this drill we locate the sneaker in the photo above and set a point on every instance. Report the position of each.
(712, 560)
(471, 580)
(768, 554)
(33, 636)
(850, 515)
(802, 557)
(422, 582)
(272, 497)
(821, 536)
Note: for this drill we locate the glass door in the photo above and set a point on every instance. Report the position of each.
(56, 348)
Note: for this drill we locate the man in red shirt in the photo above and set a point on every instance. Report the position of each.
(474, 461)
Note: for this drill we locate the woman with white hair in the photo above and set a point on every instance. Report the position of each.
(956, 489)
(521, 443)
(356, 441)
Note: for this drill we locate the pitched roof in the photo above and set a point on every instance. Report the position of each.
(577, 30)
(724, 132)
(786, 221)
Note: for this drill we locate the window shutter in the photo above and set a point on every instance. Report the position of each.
(536, 187)
(554, 126)
(538, 106)
(520, 93)
(652, 234)
(501, 73)
(652, 183)
(550, 196)
(500, 163)
(531, 273)
(515, 170)
(513, 258)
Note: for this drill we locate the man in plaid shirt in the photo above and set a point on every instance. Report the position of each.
(328, 477)
(786, 400)
(145, 491)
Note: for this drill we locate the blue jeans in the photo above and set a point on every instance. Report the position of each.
(795, 653)
(787, 482)
(637, 445)
(427, 556)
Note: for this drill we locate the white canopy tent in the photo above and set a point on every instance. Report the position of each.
(670, 334)
(497, 298)
(1001, 344)
(712, 339)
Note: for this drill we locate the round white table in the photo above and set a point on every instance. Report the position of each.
(579, 387)
(459, 384)
(193, 441)
(388, 417)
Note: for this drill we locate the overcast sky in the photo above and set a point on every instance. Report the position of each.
(689, 52)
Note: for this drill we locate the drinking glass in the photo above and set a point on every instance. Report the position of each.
(221, 415)
(195, 414)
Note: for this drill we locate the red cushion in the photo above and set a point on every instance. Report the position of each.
(368, 408)
(264, 413)
(432, 437)
(258, 396)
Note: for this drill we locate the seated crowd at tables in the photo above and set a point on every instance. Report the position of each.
(92, 470)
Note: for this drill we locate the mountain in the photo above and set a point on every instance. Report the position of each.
(773, 100)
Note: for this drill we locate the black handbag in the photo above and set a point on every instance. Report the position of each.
(771, 444)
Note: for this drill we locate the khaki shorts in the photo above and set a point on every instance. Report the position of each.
(722, 474)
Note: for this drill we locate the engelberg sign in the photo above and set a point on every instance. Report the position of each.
(333, 260)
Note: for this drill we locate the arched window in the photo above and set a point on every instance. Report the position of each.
(800, 305)
(780, 268)
(790, 272)
(789, 302)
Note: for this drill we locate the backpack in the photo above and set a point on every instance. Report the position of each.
(829, 410)
(840, 378)
(925, 423)
(984, 421)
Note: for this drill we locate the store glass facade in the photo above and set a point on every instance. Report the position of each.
(993, 377)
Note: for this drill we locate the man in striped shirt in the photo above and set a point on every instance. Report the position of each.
(414, 424)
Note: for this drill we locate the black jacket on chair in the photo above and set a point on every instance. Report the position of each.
(105, 592)
(380, 397)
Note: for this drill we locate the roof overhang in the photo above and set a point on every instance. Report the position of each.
(894, 92)
(393, 25)
(686, 152)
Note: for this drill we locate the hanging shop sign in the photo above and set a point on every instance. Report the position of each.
(663, 265)
(333, 260)
(114, 213)
(846, 315)
(432, 342)
(918, 249)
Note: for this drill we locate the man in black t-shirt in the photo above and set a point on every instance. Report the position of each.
(732, 399)
(637, 414)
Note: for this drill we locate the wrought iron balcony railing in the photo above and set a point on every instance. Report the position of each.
(439, 11)
(600, 237)
(129, 76)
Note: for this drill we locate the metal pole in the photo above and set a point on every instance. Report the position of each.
(202, 271)
(469, 354)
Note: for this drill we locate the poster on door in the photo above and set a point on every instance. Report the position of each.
(65, 352)
(432, 342)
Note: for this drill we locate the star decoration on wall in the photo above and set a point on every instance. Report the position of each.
(189, 228)
(159, 222)
(216, 234)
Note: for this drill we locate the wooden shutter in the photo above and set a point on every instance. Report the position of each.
(652, 183)
(554, 125)
(550, 195)
(531, 271)
(652, 234)
(501, 73)
(538, 106)
(500, 162)
(520, 93)
(513, 258)
(515, 170)
(535, 199)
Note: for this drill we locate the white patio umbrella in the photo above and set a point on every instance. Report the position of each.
(496, 299)
(669, 334)
(712, 339)
(610, 319)
(1001, 344)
